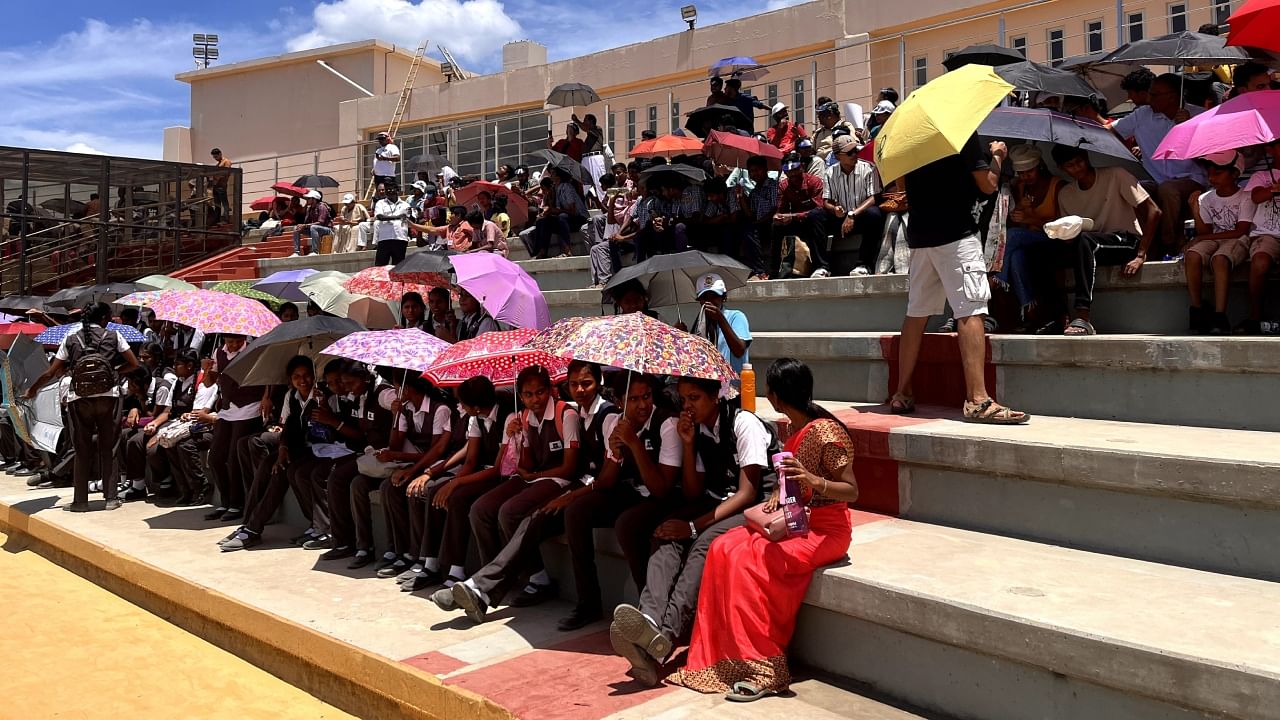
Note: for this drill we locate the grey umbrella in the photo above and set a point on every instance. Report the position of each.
(560, 161)
(428, 163)
(1034, 77)
(1180, 48)
(572, 95)
(993, 55)
(671, 279)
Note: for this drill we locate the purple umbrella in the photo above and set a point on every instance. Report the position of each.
(407, 349)
(505, 290)
(745, 68)
(285, 284)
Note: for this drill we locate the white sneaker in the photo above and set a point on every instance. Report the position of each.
(295, 255)
(821, 273)
(859, 271)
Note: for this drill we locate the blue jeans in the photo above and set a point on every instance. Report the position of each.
(1020, 271)
(315, 231)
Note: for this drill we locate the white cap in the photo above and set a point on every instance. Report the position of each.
(1226, 158)
(313, 194)
(421, 185)
(711, 282)
(348, 198)
(777, 108)
(884, 106)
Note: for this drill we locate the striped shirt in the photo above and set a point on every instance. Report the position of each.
(849, 190)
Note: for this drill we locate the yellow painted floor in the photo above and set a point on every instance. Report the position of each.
(73, 650)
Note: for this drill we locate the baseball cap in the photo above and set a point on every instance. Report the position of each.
(828, 107)
(1226, 158)
(843, 143)
(711, 283)
(777, 108)
(313, 194)
(348, 198)
(793, 165)
(421, 185)
(884, 106)
(381, 135)
(805, 143)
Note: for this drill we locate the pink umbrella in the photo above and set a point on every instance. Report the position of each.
(499, 356)
(215, 312)
(1252, 118)
(408, 349)
(376, 282)
(503, 288)
(517, 205)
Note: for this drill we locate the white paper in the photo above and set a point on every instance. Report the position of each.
(853, 113)
(331, 451)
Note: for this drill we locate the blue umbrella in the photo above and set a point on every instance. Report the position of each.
(745, 68)
(285, 284)
(55, 335)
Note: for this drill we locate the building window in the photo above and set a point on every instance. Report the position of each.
(653, 119)
(1019, 44)
(797, 100)
(631, 130)
(1177, 17)
(922, 71)
(675, 116)
(771, 96)
(612, 120)
(1093, 36)
(1057, 45)
(1135, 27)
(1221, 11)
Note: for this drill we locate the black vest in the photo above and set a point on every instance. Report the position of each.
(231, 392)
(719, 459)
(490, 438)
(375, 422)
(421, 437)
(183, 401)
(592, 443)
(545, 444)
(651, 441)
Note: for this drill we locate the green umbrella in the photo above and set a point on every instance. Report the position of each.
(244, 288)
(164, 282)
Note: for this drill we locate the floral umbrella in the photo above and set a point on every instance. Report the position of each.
(244, 288)
(376, 282)
(143, 298)
(408, 349)
(215, 312)
(635, 342)
(499, 356)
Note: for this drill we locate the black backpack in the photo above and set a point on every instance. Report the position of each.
(93, 367)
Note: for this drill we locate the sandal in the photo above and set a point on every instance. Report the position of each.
(989, 412)
(745, 692)
(900, 404)
(1081, 327)
(948, 326)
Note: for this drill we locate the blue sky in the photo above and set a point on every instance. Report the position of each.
(98, 76)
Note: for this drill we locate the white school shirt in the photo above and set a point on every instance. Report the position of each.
(571, 429)
(65, 356)
(750, 437)
(237, 413)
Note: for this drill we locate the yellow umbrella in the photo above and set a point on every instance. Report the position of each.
(936, 120)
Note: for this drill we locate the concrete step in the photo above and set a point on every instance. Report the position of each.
(1203, 498)
(1201, 381)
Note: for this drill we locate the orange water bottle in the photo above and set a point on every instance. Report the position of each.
(748, 387)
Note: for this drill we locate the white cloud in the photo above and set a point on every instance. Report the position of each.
(79, 147)
(473, 30)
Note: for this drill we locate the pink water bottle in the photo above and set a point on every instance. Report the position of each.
(792, 509)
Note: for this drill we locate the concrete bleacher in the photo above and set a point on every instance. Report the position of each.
(1117, 558)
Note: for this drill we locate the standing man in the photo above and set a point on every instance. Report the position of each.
(947, 265)
(389, 231)
(385, 157)
(96, 359)
(593, 153)
(734, 96)
(758, 208)
(218, 183)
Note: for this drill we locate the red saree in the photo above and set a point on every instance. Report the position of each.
(752, 588)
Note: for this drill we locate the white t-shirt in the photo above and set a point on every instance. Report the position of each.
(1266, 217)
(1222, 213)
(65, 356)
(385, 167)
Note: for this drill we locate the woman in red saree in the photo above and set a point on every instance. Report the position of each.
(752, 588)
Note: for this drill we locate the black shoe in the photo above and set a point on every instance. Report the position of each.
(37, 480)
(319, 542)
(78, 507)
(393, 568)
(362, 558)
(338, 553)
(301, 540)
(190, 501)
(1219, 324)
(1249, 327)
(242, 539)
(535, 596)
(948, 327)
(470, 602)
(169, 502)
(113, 504)
(580, 617)
(233, 514)
(134, 494)
(228, 538)
(215, 514)
(422, 581)
(23, 472)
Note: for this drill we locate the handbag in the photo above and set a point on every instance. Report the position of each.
(370, 466)
(796, 261)
(772, 525)
(174, 432)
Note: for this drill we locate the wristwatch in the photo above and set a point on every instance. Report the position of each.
(693, 531)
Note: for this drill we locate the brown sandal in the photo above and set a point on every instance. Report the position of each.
(900, 404)
(989, 412)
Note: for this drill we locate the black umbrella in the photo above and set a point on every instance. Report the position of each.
(1041, 124)
(572, 95)
(77, 296)
(422, 265)
(993, 55)
(59, 205)
(685, 173)
(560, 161)
(1180, 48)
(263, 362)
(428, 163)
(1034, 77)
(671, 279)
(713, 116)
(20, 304)
(315, 181)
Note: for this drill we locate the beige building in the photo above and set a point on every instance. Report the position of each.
(285, 116)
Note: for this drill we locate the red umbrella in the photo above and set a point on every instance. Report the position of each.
(868, 152)
(499, 356)
(667, 146)
(10, 331)
(1254, 24)
(263, 203)
(289, 189)
(517, 205)
(734, 150)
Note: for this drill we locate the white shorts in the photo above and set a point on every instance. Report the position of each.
(955, 273)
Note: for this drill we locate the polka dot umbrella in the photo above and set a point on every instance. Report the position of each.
(499, 356)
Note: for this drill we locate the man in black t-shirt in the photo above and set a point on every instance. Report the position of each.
(947, 265)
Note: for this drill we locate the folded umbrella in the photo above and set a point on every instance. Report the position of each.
(425, 267)
(704, 119)
(55, 335)
(937, 119)
(1251, 118)
(376, 282)
(164, 282)
(988, 55)
(499, 356)
(405, 348)
(263, 361)
(1044, 125)
(667, 146)
(1034, 77)
(639, 343)
(504, 289)
(742, 67)
(517, 204)
(563, 162)
(671, 279)
(1180, 48)
(572, 95)
(285, 284)
(215, 312)
(245, 289)
(1255, 24)
(315, 181)
(735, 150)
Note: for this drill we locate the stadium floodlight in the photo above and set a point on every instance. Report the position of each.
(689, 13)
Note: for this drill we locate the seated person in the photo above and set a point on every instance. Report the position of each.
(146, 408)
(185, 458)
(801, 213)
(719, 225)
(849, 194)
(566, 213)
(1224, 216)
(1264, 239)
(1124, 220)
(488, 236)
(1033, 202)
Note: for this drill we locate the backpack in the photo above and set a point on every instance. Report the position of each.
(93, 371)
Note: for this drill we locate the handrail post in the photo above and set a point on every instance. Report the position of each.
(104, 185)
(23, 270)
